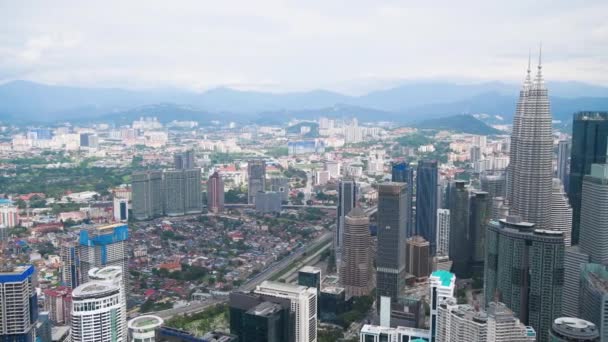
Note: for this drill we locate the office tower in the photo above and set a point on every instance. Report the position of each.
(574, 260)
(427, 176)
(256, 171)
(184, 160)
(103, 246)
(570, 329)
(256, 317)
(19, 309)
(524, 268)
(303, 304)
(561, 212)
(443, 232)
(403, 173)
(563, 162)
(98, 313)
(594, 297)
(43, 327)
(268, 202)
(494, 183)
(280, 185)
(589, 143)
(70, 264)
(531, 156)
(347, 200)
(310, 276)
(417, 257)
(58, 303)
(147, 195)
(593, 236)
(442, 285)
(356, 267)
(377, 333)
(144, 328)
(215, 193)
(332, 303)
(121, 209)
(480, 211)
(457, 323)
(9, 214)
(390, 257)
(461, 238)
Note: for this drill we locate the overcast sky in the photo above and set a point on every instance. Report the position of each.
(296, 45)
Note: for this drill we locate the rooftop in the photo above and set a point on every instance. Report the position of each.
(444, 276)
(93, 288)
(146, 321)
(310, 269)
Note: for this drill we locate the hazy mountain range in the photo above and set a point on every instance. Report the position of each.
(23, 101)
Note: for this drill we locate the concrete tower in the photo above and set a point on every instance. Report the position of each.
(356, 268)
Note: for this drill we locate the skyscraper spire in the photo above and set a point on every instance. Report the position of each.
(539, 82)
(527, 81)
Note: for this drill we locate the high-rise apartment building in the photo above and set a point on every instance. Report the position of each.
(103, 246)
(303, 305)
(531, 156)
(443, 232)
(98, 313)
(442, 285)
(593, 236)
(182, 192)
(184, 160)
(347, 200)
(594, 297)
(524, 268)
(418, 257)
(457, 323)
(390, 257)
(215, 193)
(9, 214)
(113, 275)
(58, 303)
(280, 185)
(268, 202)
(561, 212)
(70, 264)
(461, 238)
(147, 194)
(256, 172)
(19, 304)
(589, 144)
(403, 173)
(427, 182)
(356, 267)
(563, 162)
(571, 329)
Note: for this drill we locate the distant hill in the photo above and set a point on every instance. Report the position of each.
(460, 124)
(24, 101)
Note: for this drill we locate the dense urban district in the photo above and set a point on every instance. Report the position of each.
(316, 230)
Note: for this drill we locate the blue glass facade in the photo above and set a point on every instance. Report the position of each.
(402, 172)
(427, 180)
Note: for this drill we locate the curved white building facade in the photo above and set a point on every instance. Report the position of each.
(98, 313)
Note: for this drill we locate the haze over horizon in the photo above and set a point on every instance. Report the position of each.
(276, 46)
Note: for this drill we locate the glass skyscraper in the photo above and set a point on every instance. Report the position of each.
(589, 146)
(427, 176)
(404, 173)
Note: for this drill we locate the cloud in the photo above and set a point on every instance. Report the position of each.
(288, 45)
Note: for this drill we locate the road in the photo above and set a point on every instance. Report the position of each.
(194, 307)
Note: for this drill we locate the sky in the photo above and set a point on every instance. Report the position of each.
(349, 46)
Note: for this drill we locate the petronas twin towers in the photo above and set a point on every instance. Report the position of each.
(530, 170)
